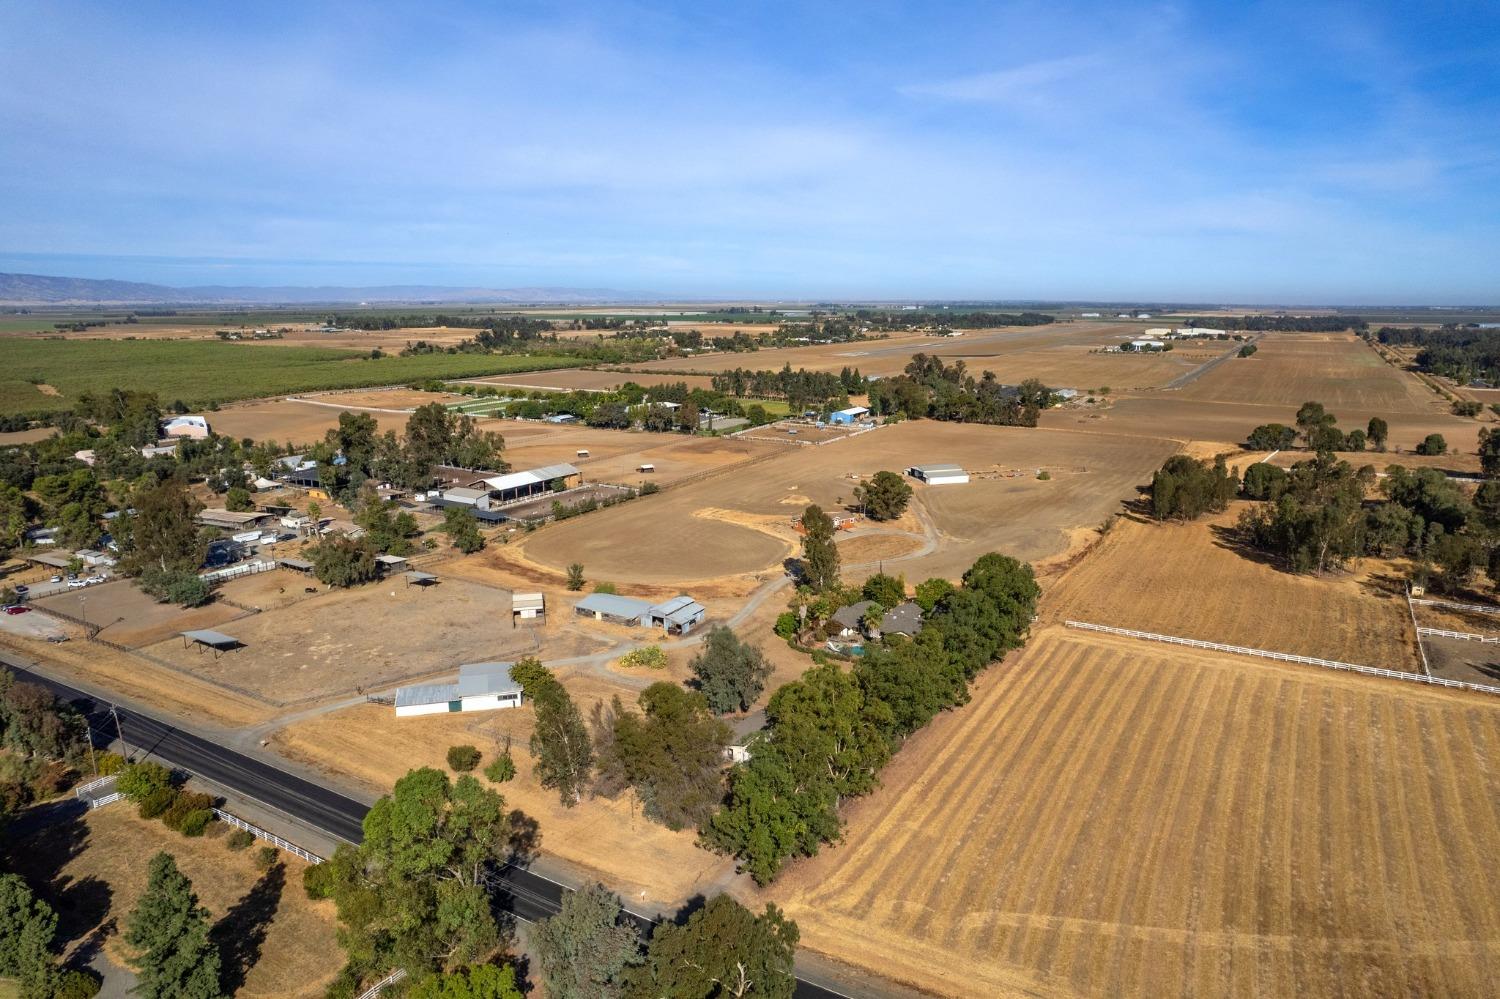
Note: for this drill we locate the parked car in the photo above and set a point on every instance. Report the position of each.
(17, 609)
(22, 588)
(76, 584)
(57, 579)
(95, 579)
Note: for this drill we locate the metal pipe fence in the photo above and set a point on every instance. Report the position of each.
(1288, 657)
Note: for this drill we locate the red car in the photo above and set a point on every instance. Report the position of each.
(17, 609)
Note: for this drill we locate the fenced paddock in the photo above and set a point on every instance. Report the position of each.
(98, 792)
(1285, 657)
(1467, 636)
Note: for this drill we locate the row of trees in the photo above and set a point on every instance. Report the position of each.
(933, 390)
(801, 389)
(830, 733)
(1282, 324)
(1461, 353)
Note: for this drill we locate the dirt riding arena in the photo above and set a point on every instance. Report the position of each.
(616, 455)
(739, 522)
(573, 379)
(128, 617)
(300, 423)
(1190, 581)
(1109, 818)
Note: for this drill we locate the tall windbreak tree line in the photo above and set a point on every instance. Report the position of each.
(930, 389)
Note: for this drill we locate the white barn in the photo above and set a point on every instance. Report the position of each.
(939, 475)
(480, 687)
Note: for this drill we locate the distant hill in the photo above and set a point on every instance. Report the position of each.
(40, 289)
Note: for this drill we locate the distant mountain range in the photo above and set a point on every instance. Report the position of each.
(41, 289)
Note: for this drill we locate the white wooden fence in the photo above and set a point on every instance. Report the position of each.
(374, 990)
(84, 792)
(1476, 608)
(1286, 657)
(269, 837)
(224, 575)
(1467, 636)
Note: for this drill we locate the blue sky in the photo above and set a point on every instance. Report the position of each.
(1237, 152)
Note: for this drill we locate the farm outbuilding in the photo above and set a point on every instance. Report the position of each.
(939, 475)
(185, 426)
(217, 641)
(613, 608)
(850, 416)
(233, 520)
(527, 606)
(519, 485)
(677, 616)
(480, 687)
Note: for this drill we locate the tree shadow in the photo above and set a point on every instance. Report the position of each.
(241, 934)
(525, 841)
(92, 944)
(685, 912)
(81, 906)
(1232, 539)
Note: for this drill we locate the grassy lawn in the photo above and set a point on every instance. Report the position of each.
(199, 372)
(10, 989)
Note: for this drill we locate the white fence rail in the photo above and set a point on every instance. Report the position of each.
(374, 990)
(1285, 657)
(269, 837)
(83, 789)
(1467, 636)
(105, 786)
(217, 576)
(108, 799)
(1476, 608)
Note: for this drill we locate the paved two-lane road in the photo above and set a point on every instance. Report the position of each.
(522, 893)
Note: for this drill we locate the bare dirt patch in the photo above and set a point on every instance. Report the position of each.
(1189, 580)
(1108, 818)
(128, 617)
(301, 423)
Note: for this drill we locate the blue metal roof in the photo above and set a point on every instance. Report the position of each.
(614, 605)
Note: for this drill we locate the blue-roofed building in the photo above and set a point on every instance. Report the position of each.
(480, 687)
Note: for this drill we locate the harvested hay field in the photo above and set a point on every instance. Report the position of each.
(1168, 414)
(371, 637)
(1110, 818)
(1337, 369)
(128, 617)
(690, 536)
(569, 380)
(93, 870)
(298, 422)
(403, 399)
(1189, 580)
(608, 838)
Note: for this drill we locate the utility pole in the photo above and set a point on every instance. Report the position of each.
(119, 731)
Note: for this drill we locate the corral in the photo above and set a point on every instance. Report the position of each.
(126, 616)
(1192, 581)
(1108, 818)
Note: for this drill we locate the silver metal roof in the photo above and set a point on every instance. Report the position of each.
(426, 693)
(614, 605)
(938, 469)
(205, 636)
(476, 679)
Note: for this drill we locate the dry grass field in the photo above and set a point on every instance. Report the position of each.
(93, 869)
(740, 522)
(616, 455)
(1188, 580)
(301, 423)
(608, 838)
(571, 379)
(1112, 818)
(1339, 370)
(1195, 579)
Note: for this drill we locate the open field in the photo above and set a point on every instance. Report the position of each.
(1189, 580)
(370, 637)
(1112, 818)
(31, 436)
(199, 372)
(740, 522)
(609, 838)
(580, 378)
(286, 420)
(278, 944)
(615, 455)
(1337, 369)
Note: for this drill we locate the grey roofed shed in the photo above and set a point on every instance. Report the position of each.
(205, 638)
(680, 613)
(614, 607)
(426, 693)
(416, 577)
(486, 678)
(298, 564)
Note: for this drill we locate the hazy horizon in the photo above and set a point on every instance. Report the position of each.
(1285, 154)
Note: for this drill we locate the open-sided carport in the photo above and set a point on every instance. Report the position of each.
(216, 641)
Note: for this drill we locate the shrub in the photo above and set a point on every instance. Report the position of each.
(786, 624)
(109, 763)
(463, 758)
(605, 588)
(138, 780)
(319, 881)
(647, 657)
(185, 804)
(1432, 444)
(76, 984)
(1466, 407)
(267, 857)
(157, 802)
(501, 769)
(239, 839)
(1043, 475)
(195, 822)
